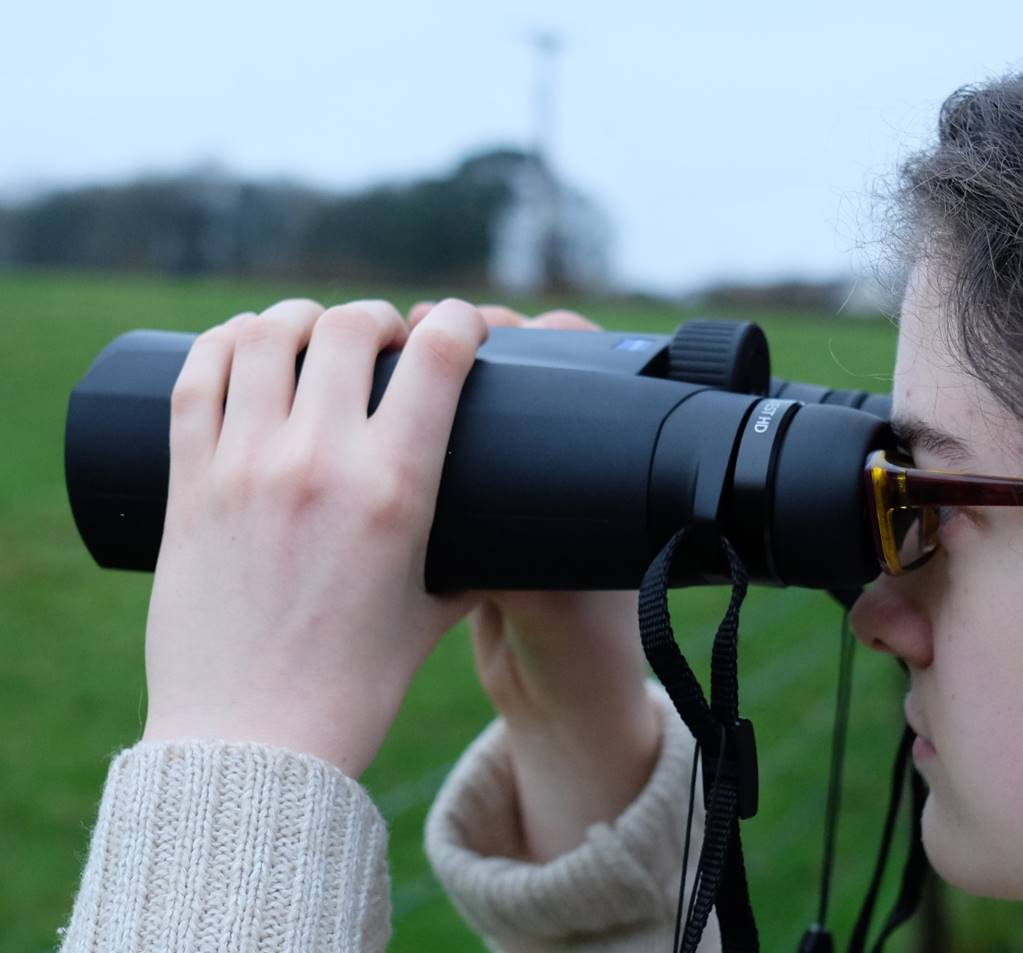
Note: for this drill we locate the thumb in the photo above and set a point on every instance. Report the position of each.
(486, 624)
(455, 606)
(496, 662)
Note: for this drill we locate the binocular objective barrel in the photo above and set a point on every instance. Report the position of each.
(556, 477)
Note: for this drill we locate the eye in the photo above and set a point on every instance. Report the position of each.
(952, 518)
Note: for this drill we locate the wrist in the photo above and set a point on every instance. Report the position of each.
(618, 716)
(347, 734)
(568, 777)
(351, 758)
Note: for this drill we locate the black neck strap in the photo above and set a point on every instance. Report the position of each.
(916, 868)
(727, 746)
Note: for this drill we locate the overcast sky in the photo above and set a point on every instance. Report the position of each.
(733, 139)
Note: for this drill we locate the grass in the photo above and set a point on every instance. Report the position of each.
(71, 642)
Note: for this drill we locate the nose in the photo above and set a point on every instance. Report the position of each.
(887, 619)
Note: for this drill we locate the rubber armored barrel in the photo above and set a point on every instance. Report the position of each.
(563, 471)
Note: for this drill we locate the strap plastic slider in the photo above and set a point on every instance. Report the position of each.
(739, 767)
(745, 747)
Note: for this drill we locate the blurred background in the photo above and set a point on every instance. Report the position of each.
(167, 166)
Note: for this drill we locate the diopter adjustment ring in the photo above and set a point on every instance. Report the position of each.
(729, 355)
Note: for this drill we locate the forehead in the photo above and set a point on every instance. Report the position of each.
(932, 385)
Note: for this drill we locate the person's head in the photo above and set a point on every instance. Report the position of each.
(957, 621)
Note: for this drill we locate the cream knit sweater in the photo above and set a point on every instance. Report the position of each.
(207, 846)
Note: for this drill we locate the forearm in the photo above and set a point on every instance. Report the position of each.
(616, 892)
(239, 846)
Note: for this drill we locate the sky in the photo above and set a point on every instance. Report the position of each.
(734, 140)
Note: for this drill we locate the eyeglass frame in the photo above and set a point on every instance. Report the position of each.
(893, 485)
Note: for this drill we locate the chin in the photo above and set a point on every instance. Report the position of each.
(959, 859)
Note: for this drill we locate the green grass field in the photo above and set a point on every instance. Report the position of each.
(71, 645)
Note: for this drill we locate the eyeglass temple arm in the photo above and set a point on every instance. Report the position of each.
(939, 489)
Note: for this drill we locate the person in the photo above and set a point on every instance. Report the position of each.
(958, 404)
(287, 618)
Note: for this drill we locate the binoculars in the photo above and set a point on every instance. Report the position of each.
(574, 456)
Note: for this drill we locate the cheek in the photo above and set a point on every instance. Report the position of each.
(978, 655)
(973, 694)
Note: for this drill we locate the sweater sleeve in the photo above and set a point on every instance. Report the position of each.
(615, 893)
(231, 846)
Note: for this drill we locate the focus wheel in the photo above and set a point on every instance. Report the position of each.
(729, 355)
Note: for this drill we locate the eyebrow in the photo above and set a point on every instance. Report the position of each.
(913, 432)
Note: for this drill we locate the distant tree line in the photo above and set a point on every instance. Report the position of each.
(445, 229)
(846, 295)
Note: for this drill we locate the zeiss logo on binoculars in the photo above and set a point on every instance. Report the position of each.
(633, 344)
(766, 415)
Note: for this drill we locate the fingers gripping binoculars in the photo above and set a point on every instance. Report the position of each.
(573, 457)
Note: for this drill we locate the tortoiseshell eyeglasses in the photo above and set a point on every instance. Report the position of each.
(908, 505)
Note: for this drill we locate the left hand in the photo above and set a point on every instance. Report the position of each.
(557, 662)
(567, 672)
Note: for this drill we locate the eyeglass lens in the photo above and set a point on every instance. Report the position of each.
(916, 534)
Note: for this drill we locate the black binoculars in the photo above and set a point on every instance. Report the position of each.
(574, 456)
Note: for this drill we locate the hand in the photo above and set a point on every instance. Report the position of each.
(567, 672)
(288, 604)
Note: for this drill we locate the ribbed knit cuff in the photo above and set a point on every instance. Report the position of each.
(231, 846)
(620, 886)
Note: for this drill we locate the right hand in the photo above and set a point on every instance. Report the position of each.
(288, 603)
(566, 670)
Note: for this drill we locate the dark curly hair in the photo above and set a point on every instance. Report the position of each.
(962, 204)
